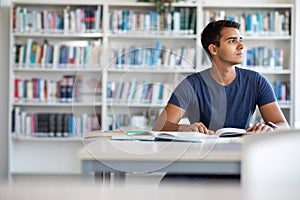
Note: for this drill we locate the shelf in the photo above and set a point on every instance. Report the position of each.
(56, 104)
(56, 2)
(55, 70)
(266, 37)
(19, 172)
(153, 69)
(151, 35)
(46, 139)
(137, 105)
(151, 5)
(269, 70)
(245, 5)
(59, 35)
(132, 4)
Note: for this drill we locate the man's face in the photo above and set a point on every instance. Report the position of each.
(231, 47)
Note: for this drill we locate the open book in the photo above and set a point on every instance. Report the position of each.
(103, 134)
(164, 136)
(230, 132)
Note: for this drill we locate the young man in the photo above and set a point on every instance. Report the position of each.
(223, 95)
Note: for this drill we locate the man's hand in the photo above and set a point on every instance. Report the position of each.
(196, 127)
(258, 127)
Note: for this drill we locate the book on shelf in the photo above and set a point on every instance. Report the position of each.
(122, 21)
(41, 55)
(39, 89)
(53, 124)
(157, 55)
(265, 57)
(66, 20)
(164, 136)
(261, 22)
(138, 91)
(282, 90)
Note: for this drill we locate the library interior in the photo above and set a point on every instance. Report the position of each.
(95, 101)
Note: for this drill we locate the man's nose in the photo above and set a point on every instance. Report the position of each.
(241, 45)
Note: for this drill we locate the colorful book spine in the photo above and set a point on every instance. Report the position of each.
(82, 20)
(53, 124)
(138, 92)
(262, 56)
(35, 55)
(127, 57)
(261, 22)
(183, 20)
(45, 90)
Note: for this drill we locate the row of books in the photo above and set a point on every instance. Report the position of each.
(118, 121)
(282, 91)
(44, 90)
(123, 121)
(68, 20)
(275, 22)
(182, 20)
(53, 124)
(264, 56)
(34, 55)
(65, 90)
(142, 121)
(138, 92)
(157, 55)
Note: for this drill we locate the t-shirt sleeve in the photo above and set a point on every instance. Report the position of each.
(183, 94)
(265, 92)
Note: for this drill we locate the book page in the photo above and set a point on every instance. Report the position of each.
(228, 132)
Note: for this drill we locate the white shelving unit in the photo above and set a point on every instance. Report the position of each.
(59, 155)
(144, 74)
(52, 155)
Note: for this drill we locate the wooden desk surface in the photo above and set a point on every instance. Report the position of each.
(210, 150)
(209, 157)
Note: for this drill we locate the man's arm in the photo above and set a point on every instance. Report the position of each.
(169, 118)
(270, 112)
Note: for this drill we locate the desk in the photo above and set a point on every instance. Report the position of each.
(119, 157)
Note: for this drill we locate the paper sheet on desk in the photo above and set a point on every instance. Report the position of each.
(165, 136)
(103, 134)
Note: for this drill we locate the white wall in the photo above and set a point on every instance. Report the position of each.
(297, 63)
(4, 36)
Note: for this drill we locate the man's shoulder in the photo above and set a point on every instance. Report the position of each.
(199, 73)
(247, 72)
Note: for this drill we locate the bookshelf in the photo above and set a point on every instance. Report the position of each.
(145, 60)
(55, 64)
(122, 73)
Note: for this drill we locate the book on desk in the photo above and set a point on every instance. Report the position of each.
(164, 136)
(231, 132)
(148, 135)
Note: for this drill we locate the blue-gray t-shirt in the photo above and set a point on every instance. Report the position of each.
(204, 100)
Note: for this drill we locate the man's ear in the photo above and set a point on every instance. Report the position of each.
(212, 49)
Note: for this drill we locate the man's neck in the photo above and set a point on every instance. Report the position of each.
(223, 76)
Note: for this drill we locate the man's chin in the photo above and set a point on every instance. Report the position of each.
(238, 62)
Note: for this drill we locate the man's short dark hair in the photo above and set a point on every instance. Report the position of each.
(211, 33)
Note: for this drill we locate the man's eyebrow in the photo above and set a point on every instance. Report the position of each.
(230, 38)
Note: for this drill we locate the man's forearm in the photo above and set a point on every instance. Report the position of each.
(283, 125)
(169, 126)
